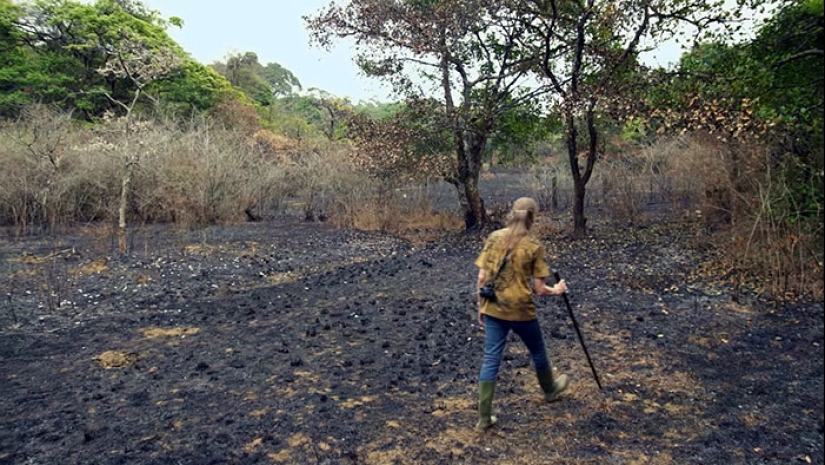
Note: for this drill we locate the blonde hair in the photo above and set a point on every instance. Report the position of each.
(519, 221)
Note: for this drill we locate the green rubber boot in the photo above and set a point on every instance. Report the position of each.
(485, 406)
(552, 387)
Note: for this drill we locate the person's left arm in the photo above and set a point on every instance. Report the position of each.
(540, 287)
(483, 273)
(540, 272)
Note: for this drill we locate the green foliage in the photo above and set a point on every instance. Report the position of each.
(53, 52)
(12, 60)
(779, 73)
(281, 81)
(378, 110)
(291, 116)
(27, 74)
(429, 135)
(193, 86)
(521, 130)
(768, 93)
(244, 73)
(302, 116)
(263, 84)
(789, 51)
(788, 64)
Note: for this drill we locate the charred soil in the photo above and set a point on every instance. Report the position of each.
(301, 343)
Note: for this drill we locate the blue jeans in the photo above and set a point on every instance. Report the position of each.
(495, 338)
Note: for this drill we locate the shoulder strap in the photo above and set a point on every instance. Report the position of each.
(503, 262)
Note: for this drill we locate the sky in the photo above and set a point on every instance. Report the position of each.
(276, 32)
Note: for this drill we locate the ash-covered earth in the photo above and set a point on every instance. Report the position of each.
(299, 343)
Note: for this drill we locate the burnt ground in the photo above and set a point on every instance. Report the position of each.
(289, 342)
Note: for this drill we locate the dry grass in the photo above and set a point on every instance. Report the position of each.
(58, 175)
(737, 193)
(394, 219)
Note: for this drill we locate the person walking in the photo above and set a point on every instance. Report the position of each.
(510, 260)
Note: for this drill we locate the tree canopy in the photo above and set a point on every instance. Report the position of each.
(465, 53)
(53, 51)
(262, 83)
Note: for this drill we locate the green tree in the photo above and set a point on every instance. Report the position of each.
(55, 47)
(379, 110)
(263, 84)
(790, 51)
(767, 89)
(13, 72)
(333, 113)
(522, 130)
(244, 73)
(193, 86)
(785, 75)
(281, 80)
(287, 116)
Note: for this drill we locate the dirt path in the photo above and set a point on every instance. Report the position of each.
(299, 343)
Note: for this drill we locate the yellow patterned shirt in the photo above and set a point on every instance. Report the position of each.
(514, 292)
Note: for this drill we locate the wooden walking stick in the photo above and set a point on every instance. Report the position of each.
(578, 332)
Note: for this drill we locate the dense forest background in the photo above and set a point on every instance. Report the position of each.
(107, 122)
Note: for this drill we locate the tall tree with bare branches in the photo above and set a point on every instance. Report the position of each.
(588, 50)
(465, 52)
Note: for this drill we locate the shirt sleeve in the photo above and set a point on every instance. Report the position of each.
(540, 269)
(483, 260)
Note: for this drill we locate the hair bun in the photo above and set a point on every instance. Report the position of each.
(525, 204)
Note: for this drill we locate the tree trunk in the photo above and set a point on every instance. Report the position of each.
(463, 203)
(470, 203)
(475, 216)
(468, 158)
(580, 178)
(579, 220)
(572, 134)
(121, 211)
